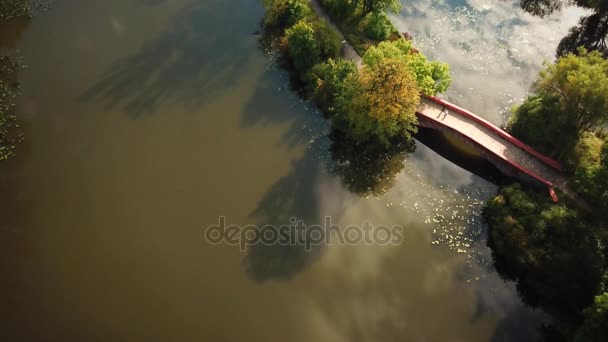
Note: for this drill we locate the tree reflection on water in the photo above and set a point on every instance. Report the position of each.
(368, 168)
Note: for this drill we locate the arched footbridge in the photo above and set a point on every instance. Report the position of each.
(507, 153)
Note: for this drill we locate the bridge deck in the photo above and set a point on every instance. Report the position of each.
(491, 139)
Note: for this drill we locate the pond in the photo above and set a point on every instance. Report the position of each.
(145, 121)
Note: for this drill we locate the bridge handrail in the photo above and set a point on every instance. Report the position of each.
(549, 161)
(512, 163)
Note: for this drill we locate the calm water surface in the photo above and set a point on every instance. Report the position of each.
(145, 120)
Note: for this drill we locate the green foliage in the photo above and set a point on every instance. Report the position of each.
(9, 90)
(547, 248)
(591, 175)
(340, 8)
(327, 39)
(541, 123)
(302, 46)
(431, 77)
(393, 6)
(378, 26)
(286, 13)
(382, 103)
(595, 325)
(581, 83)
(335, 84)
(591, 31)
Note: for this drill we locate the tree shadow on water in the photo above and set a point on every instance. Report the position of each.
(203, 51)
(292, 198)
(363, 168)
(273, 102)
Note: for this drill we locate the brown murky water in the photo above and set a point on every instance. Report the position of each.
(146, 120)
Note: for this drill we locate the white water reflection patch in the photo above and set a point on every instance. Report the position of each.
(494, 49)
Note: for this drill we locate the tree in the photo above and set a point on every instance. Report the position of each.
(591, 174)
(335, 82)
(378, 26)
(393, 6)
(581, 83)
(539, 121)
(595, 325)
(547, 248)
(327, 39)
(431, 77)
(383, 103)
(591, 31)
(302, 46)
(286, 13)
(341, 8)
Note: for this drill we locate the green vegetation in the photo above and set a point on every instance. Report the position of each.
(378, 27)
(302, 45)
(595, 325)
(285, 13)
(363, 22)
(570, 99)
(432, 77)
(557, 252)
(591, 31)
(549, 249)
(383, 102)
(372, 104)
(591, 173)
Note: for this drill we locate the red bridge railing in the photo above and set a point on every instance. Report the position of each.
(547, 160)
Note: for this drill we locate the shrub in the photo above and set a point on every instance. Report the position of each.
(331, 82)
(378, 26)
(382, 104)
(327, 38)
(286, 13)
(547, 248)
(539, 122)
(302, 46)
(431, 77)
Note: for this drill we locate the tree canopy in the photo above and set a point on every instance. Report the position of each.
(286, 13)
(431, 77)
(381, 5)
(302, 45)
(547, 248)
(379, 101)
(595, 325)
(591, 31)
(582, 84)
(570, 98)
(591, 173)
(383, 101)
